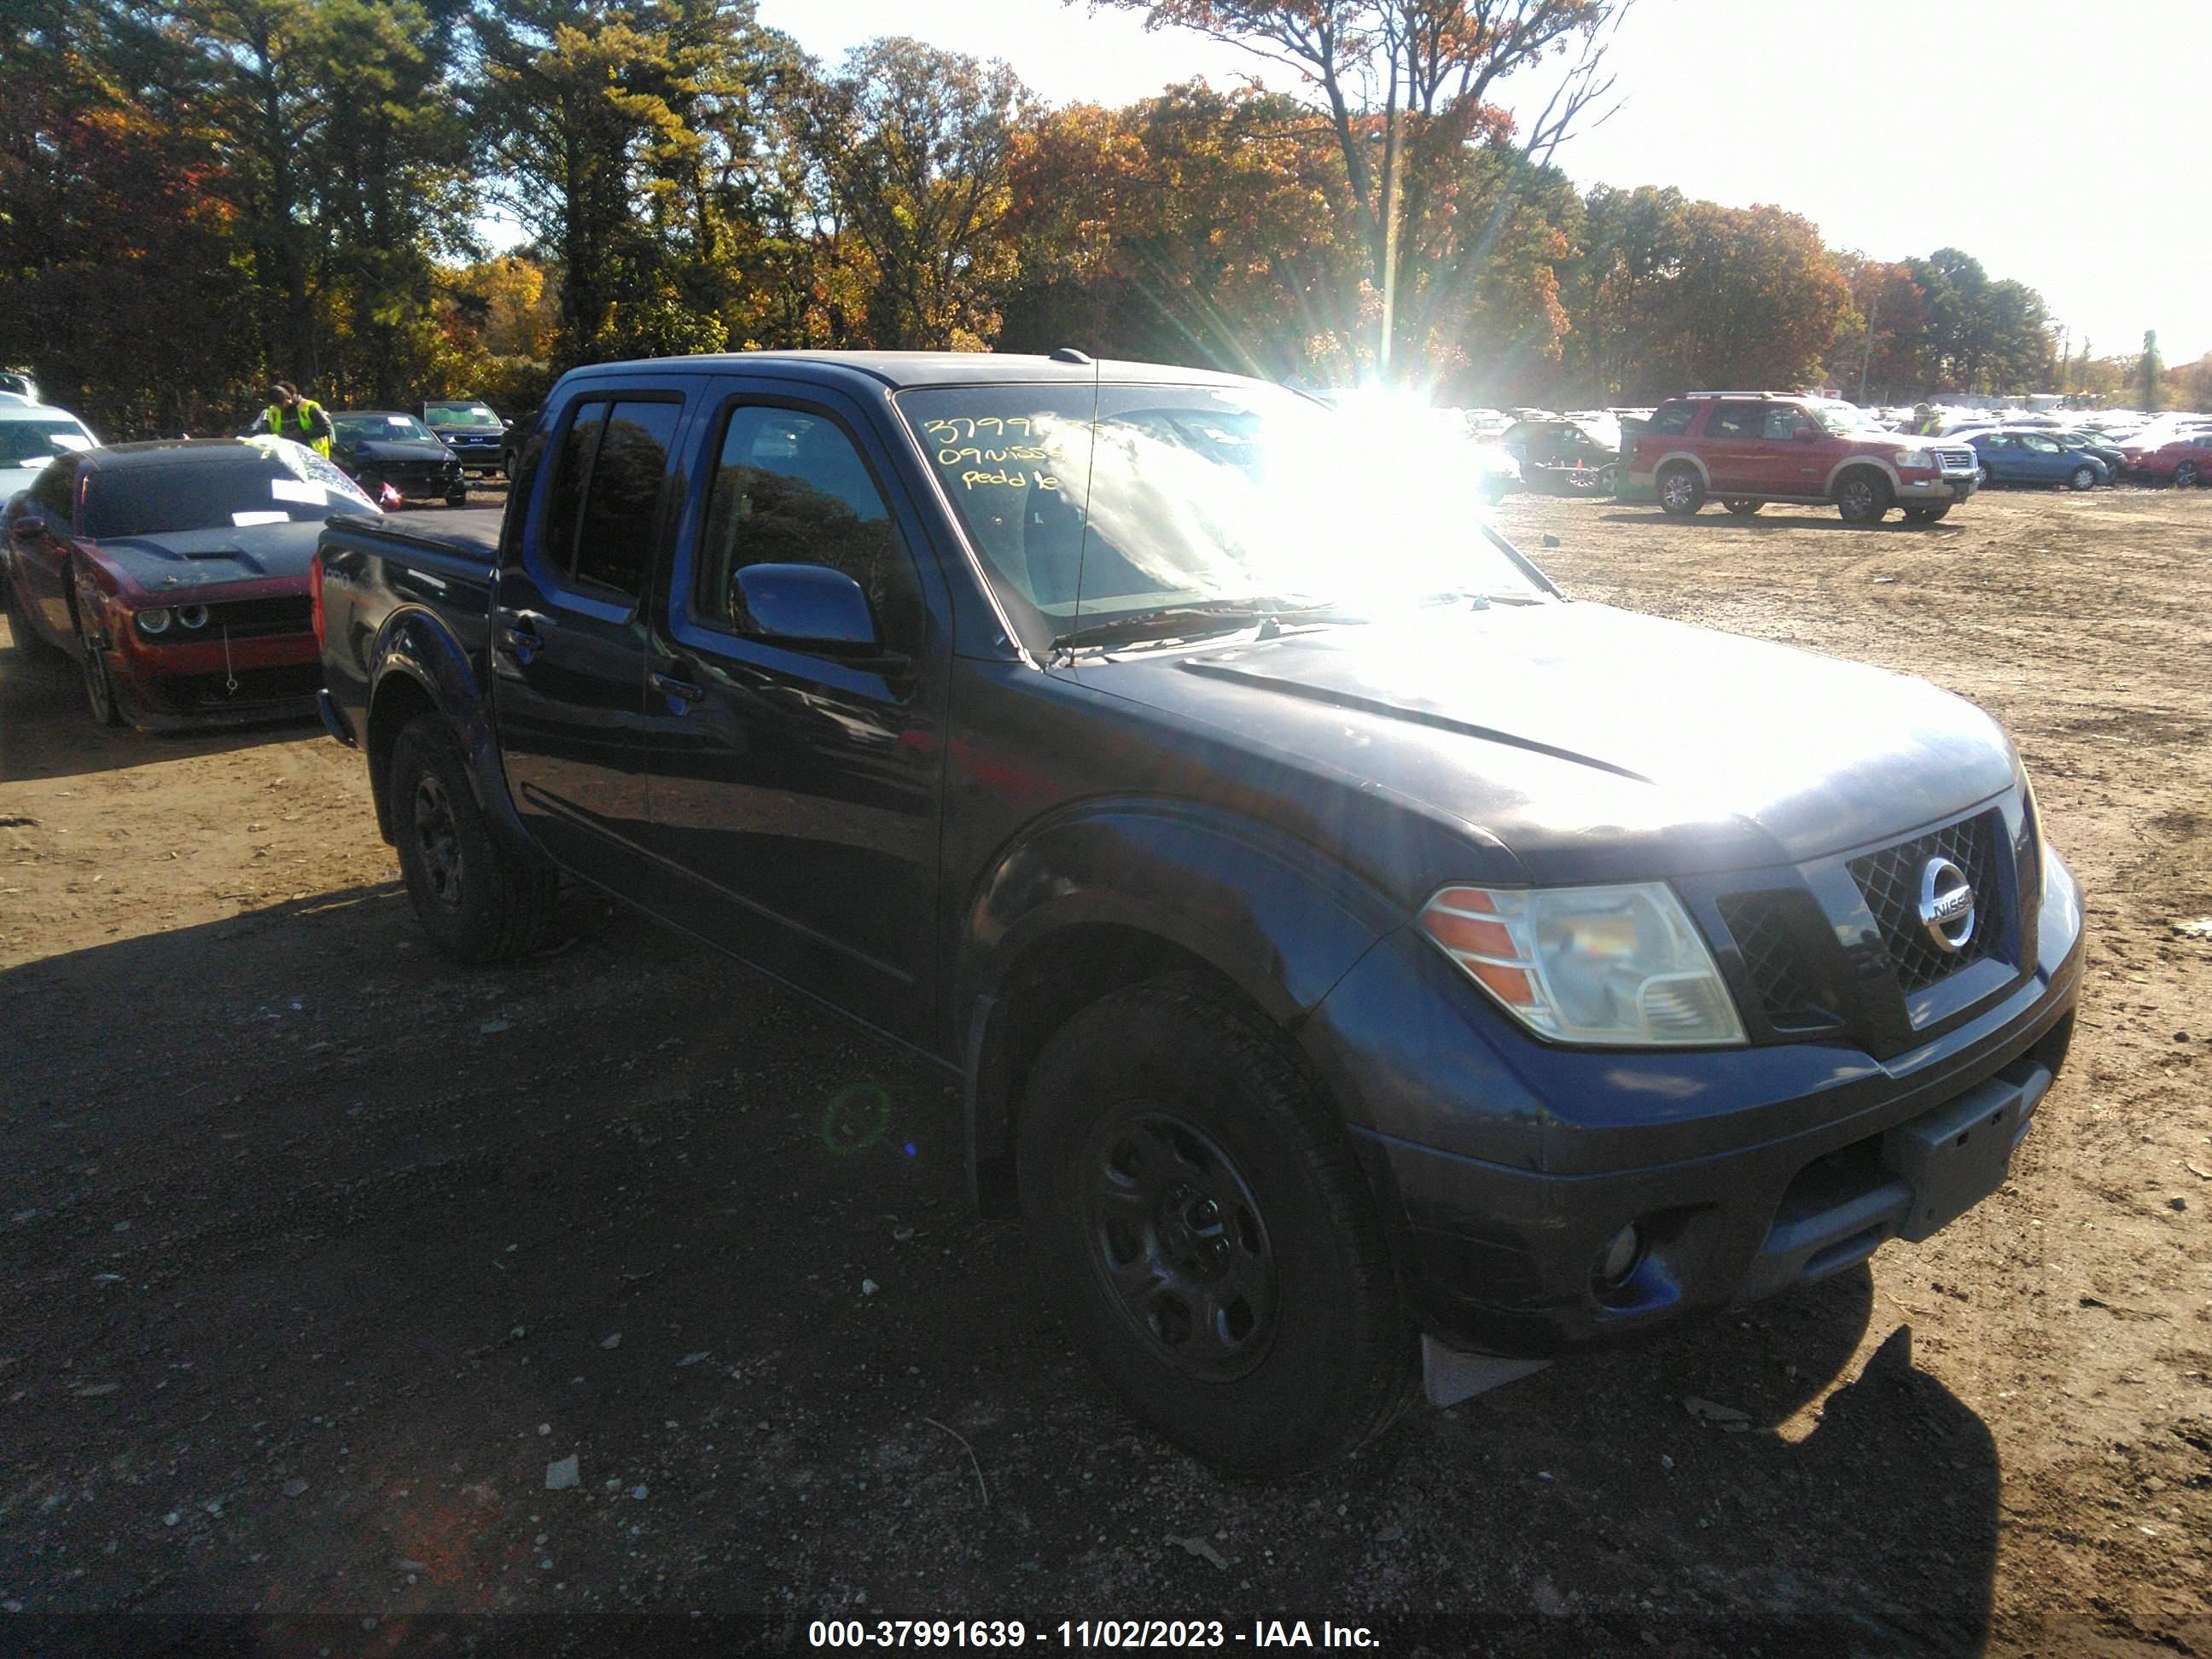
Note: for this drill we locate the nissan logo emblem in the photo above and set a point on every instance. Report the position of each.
(1947, 904)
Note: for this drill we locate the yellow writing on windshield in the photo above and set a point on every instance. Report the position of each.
(1016, 479)
(963, 429)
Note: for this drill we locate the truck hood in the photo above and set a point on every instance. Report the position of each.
(1596, 744)
(178, 560)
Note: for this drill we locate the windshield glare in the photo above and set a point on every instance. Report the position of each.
(474, 414)
(1231, 495)
(35, 443)
(275, 482)
(381, 429)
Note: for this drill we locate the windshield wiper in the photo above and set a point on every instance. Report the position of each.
(1172, 622)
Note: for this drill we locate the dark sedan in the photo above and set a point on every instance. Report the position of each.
(472, 430)
(395, 458)
(175, 574)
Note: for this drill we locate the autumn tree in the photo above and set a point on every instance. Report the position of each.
(914, 143)
(1404, 89)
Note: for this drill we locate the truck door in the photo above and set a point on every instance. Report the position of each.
(796, 788)
(1789, 464)
(568, 631)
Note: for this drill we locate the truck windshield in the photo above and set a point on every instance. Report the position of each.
(1232, 498)
(217, 491)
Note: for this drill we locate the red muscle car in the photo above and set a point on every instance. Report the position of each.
(175, 574)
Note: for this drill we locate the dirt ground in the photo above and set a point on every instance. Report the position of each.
(318, 1250)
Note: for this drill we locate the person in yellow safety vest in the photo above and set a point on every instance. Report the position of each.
(1927, 423)
(291, 416)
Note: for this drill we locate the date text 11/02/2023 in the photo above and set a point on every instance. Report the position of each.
(1086, 1633)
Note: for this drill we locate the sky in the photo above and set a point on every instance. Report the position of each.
(2058, 142)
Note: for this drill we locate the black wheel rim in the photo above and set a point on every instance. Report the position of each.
(438, 840)
(1178, 1243)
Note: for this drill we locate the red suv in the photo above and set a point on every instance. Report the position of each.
(1747, 448)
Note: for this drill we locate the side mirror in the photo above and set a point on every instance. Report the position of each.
(1806, 434)
(807, 605)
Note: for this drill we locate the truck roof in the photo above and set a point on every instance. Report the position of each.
(901, 370)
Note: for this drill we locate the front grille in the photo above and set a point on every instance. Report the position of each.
(249, 618)
(211, 693)
(1759, 923)
(1955, 460)
(1890, 880)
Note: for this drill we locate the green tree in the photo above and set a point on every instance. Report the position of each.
(914, 144)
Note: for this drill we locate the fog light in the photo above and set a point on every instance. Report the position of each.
(1618, 1258)
(192, 615)
(154, 620)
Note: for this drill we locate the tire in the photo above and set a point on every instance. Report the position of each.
(1862, 496)
(457, 498)
(369, 481)
(1169, 1130)
(1681, 492)
(1742, 507)
(479, 902)
(98, 685)
(2185, 475)
(1927, 513)
(2082, 477)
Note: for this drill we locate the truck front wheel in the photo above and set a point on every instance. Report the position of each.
(1863, 497)
(477, 902)
(1200, 1220)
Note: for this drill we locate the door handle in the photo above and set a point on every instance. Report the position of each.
(521, 635)
(677, 691)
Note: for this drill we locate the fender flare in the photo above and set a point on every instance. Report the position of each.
(415, 645)
(1272, 916)
(1705, 477)
(1876, 462)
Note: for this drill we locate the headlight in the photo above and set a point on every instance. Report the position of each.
(1619, 967)
(1915, 460)
(154, 620)
(192, 615)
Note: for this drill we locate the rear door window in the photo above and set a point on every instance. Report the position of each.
(1735, 421)
(1671, 418)
(607, 492)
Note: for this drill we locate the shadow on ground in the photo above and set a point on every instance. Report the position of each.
(326, 1254)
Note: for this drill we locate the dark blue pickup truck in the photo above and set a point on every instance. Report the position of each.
(1364, 966)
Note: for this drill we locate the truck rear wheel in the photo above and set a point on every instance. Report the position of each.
(1199, 1218)
(1681, 492)
(477, 902)
(1863, 497)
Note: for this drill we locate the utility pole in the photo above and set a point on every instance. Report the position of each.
(1866, 356)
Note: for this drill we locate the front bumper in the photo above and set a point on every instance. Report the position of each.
(175, 687)
(1794, 1161)
(1942, 487)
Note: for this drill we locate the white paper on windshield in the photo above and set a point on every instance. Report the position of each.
(400, 420)
(292, 489)
(243, 518)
